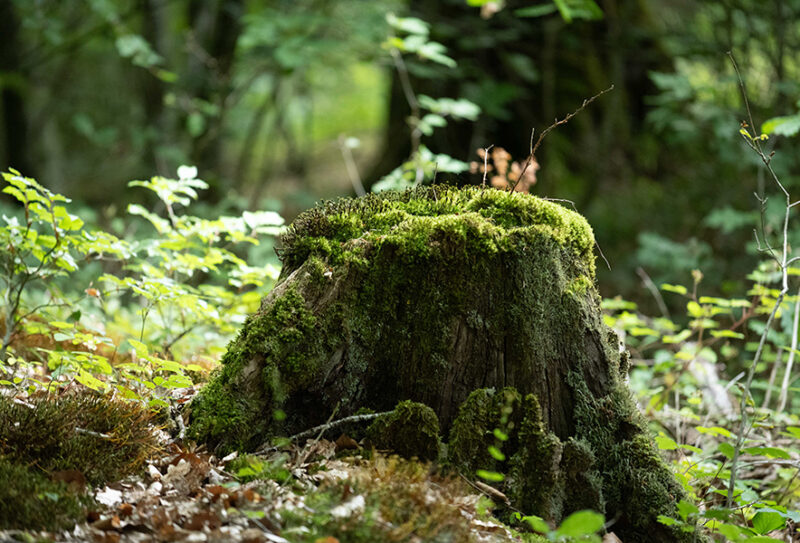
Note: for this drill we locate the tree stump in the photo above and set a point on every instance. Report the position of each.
(476, 302)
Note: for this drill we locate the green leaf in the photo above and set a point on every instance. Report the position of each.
(666, 444)
(727, 333)
(667, 521)
(731, 531)
(677, 289)
(771, 452)
(715, 431)
(794, 430)
(687, 508)
(767, 521)
(536, 11)
(499, 434)
(643, 331)
(726, 449)
(694, 309)
(581, 524)
(563, 8)
(496, 453)
(141, 348)
(537, 523)
(782, 126)
(491, 476)
(89, 381)
(61, 324)
(411, 25)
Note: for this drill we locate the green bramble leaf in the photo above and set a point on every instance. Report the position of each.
(581, 523)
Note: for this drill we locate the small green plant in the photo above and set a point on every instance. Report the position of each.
(46, 243)
(252, 468)
(579, 526)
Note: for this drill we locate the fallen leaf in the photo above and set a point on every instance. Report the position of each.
(108, 496)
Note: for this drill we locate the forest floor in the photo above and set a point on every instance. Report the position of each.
(318, 492)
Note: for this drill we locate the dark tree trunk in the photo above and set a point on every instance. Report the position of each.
(216, 27)
(14, 150)
(429, 296)
(153, 88)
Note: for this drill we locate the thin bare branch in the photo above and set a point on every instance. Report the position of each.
(352, 168)
(790, 361)
(486, 162)
(565, 120)
(331, 424)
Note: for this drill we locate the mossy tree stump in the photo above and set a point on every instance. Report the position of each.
(431, 295)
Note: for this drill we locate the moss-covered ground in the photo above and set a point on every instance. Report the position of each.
(85, 439)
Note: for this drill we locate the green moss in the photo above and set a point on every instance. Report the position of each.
(636, 482)
(535, 479)
(103, 438)
(486, 219)
(410, 430)
(29, 500)
(473, 431)
(610, 465)
(225, 413)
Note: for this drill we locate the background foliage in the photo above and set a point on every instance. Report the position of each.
(136, 287)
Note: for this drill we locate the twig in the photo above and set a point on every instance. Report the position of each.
(772, 374)
(486, 162)
(413, 103)
(547, 130)
(755, 144)
(790, 361)
(92, 433)
(352, 169)
(323, 428)
(648, 283)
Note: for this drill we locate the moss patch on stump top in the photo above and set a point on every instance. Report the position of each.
(419, 222)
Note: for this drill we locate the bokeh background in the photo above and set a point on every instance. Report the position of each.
(273, 100)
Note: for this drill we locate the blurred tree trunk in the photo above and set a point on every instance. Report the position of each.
(153, 89)
(13, 145)
(215, 30)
